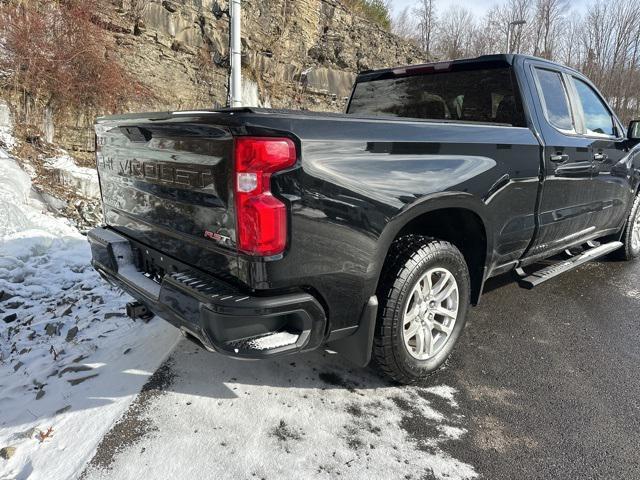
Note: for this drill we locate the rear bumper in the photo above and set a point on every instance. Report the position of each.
(219, 315)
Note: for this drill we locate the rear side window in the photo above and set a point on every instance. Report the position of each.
(483, 95)
(597, 117)
(555, 99)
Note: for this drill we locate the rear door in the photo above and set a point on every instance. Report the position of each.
(607, 146)
(566, 203)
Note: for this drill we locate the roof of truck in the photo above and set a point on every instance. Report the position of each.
(496, 59)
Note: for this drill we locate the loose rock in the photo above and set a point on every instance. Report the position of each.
(13, 305)
(53, 328)
(75, 369)
(4, 296)
(63, 410)
(71, 334)
(77, 381)
(7, 452)
(28, 433)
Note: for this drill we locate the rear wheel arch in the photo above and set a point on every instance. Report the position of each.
(459, 221)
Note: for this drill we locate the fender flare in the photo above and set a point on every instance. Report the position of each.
(427, 204)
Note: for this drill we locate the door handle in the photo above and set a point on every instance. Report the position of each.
(559, 158)
(600, 157)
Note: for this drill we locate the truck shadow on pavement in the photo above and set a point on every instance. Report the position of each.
(298, 416)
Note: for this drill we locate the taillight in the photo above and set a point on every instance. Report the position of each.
(261, 218)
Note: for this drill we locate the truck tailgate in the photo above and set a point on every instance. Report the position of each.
(167, 185)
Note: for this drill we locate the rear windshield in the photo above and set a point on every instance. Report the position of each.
(482, 95)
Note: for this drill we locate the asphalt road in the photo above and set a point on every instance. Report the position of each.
(551, 378)
(547, 386)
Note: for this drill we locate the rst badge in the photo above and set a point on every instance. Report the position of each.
(216, 236)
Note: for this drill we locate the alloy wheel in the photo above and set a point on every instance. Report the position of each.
(635, 232)
(431, 313)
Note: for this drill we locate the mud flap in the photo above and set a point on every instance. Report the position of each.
(357, 348)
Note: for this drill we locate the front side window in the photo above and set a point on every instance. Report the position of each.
(597, 117)
(555, 99)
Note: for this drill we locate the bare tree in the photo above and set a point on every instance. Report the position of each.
(427, 22)
(610, 43)
(603, 42)
(513, 11)
(568, 50)
(549, 20)
(405, 26)
(489, 36)
(455, 35)
(53, 56)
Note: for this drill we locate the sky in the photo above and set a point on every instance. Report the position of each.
(479, 7)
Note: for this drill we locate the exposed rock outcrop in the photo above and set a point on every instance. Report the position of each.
(296, 54)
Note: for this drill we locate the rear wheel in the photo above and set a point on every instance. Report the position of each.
(631, 235)
(424, 295)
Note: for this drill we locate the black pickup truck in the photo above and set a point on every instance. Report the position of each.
(263, 232)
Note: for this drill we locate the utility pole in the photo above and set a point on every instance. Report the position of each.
(235, 78)
(509, 28)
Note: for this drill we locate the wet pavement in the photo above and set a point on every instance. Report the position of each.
(543, 384)
(551, 377)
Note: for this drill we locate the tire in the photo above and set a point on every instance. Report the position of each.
(413, 263)
(631, 236)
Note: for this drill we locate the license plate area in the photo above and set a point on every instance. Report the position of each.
(152, 264)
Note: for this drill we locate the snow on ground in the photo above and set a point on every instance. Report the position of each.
(6, 136)
(70, 362)
(306, 416)
(82, 179)
(72, 366)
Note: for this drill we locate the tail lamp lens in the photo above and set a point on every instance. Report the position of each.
(261, 217)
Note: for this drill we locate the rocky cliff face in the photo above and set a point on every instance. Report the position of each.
(296, 54)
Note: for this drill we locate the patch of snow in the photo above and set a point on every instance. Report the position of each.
(635, 294)
(308, 416)
(67, 350)
(275, 340)
(451, 432)
(6, 130)
(445, 392)
(15, 186)
(251, 95)
(84, 180)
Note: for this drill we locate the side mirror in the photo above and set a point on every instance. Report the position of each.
(634, 130)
